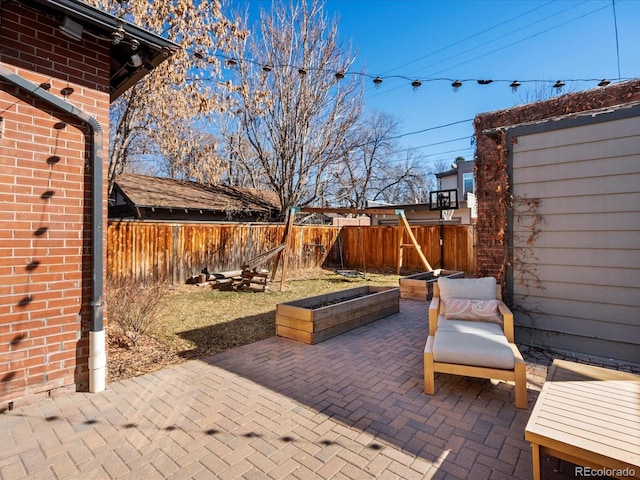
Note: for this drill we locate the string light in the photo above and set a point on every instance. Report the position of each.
(415, 83)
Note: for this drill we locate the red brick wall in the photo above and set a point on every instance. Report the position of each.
(492, 179)
(45, 206)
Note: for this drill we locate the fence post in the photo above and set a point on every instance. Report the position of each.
(174, 257)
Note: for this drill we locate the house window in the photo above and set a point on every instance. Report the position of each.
(468, 184)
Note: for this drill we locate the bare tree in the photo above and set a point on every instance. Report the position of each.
(356, 177)
(376, 170)
(295, 113)
(151, 117)
(404, 179)
(543, 91)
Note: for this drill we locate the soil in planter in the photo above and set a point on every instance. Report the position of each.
(334, 302)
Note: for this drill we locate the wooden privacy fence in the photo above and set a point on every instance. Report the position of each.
(174, 252)
(376, 247)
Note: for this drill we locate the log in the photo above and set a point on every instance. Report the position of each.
(228, 274)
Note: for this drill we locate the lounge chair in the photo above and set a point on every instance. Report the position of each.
(471, 334)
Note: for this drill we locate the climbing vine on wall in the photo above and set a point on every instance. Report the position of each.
(528, 222)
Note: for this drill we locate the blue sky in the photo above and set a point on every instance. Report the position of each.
(525, 40)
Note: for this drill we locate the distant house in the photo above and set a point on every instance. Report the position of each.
(459, 177)
(59, 71)
(142, 197)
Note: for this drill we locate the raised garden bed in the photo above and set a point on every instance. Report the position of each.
(419, 286)
(314, 319)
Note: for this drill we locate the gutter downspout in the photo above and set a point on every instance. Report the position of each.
(97, 350)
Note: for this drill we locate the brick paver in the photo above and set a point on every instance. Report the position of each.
(351, 407)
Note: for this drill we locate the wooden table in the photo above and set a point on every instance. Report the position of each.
(588, 416)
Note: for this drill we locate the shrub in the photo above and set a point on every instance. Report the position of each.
(134, 306)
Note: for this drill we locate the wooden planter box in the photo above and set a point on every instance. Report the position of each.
(299, 320)
(419, 286)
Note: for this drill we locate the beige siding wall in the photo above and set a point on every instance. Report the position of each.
(587, 255)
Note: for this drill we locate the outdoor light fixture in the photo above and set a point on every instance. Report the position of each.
(266, 68)
(604, 82)
(377, 81)
(136, 60)
(71, 29)
(558, 85)
(514, 86)
(134, 44)
(66, 91)
(416, 84)
(456, 85)
(117, 36)
(339, 75)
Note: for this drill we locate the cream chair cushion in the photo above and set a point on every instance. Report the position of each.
(469, 288)
(482, 348)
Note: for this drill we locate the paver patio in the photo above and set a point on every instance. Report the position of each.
(351, 407)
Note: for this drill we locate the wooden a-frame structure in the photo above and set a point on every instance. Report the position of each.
(403, 225)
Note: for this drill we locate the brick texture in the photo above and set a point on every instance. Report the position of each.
(45, 210)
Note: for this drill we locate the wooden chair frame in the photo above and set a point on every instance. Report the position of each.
(431, 367)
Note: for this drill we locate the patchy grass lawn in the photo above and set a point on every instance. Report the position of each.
(197, 321)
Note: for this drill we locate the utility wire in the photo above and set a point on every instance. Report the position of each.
(498, 49)
(517, 30)
(526, 38)
(469, 37)
(615, 24)
(429, 129)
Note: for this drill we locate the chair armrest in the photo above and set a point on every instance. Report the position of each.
(434, 310)
(507, 321)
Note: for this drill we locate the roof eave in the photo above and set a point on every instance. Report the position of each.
(159, 47)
